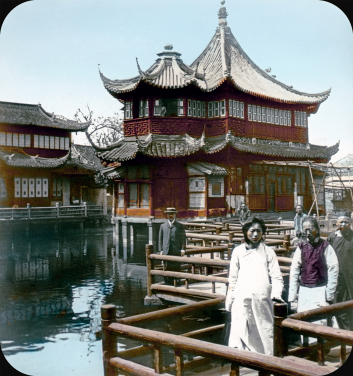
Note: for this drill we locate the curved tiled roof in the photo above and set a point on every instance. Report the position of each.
(182, 145)
(206, 168)
(20, 159)
(222, 59)
(80, 160)
(34, 114)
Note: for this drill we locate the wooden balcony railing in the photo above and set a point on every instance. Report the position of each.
(75, 211)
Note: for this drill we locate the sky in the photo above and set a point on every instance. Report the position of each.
(50, 51)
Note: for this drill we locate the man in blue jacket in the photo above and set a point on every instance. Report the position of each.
(172, 240)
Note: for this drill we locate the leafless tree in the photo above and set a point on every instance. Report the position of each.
(103, 131)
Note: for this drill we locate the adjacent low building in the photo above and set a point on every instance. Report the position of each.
(40, 165)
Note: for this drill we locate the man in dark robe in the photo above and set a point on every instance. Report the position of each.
(172, 240)
(342, 242)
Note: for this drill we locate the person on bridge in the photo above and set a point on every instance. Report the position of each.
(172, 240)
(244, 213)
(315, 265)
(255, 280)
(342, 242)
(298, 222)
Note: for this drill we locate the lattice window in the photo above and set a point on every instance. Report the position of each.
(62, 143)
(276, 117)
(194, 108)
(259, 114)
(285, 118)
(263, 114)
(52, 142)
(210, 109)
(180, 107)
(27, 140)
(8, 139)
(289, 118)
(216, 186)
(198, 109)
(254, 113)
(57, 187)
(268, 115)
(2, 138)
(203, 109)
(272, 116)
(222, 104)
(128, 110)
(67, 143)
(216, 109)
(250, 112)
(157, 108)
(231, 107)
(35, 141)
(21, 140)
(15, 139)
(280, 114)
(57, 142)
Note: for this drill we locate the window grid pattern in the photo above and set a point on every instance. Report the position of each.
(236, 109)
(269, 115)
(300, 119)
(39, 141)
(196, 108)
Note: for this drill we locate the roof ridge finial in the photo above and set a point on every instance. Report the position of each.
(222, 15)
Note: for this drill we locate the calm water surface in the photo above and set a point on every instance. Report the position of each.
(51, 290)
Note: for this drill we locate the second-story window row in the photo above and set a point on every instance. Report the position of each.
(196, 108)
(269, 115)
(39, 141)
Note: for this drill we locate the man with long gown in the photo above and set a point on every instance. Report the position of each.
(342, 242)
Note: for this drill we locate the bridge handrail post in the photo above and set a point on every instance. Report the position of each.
(280, 343)
(109, 339)
(57, 209)
(85, 208)
(150, 266)
(29, 211)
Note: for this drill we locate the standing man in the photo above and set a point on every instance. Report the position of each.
(342, 242)
(172, 240)
(244, 213)
(298, 221)
(314, 269)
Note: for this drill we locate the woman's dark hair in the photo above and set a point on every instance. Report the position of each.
(249, 223)
(313, 221)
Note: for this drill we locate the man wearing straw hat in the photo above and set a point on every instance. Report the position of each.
(342, 242)
(172, 240)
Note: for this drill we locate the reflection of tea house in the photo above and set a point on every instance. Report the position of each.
(194, 135)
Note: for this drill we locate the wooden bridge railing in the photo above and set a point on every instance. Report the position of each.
(51, 212)
(198, 352)
(204, 265)
(302, 324)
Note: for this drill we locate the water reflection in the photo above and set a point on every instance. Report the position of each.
(52, 287)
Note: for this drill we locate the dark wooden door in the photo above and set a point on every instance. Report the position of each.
(271, 196)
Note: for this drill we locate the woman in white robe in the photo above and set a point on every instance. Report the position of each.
(255, 280)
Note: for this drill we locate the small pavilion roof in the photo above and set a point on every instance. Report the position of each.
(222, 59)
(34, 114)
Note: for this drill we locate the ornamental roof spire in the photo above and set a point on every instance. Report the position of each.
(222, 15)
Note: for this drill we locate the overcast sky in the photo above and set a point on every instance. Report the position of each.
(50, 50)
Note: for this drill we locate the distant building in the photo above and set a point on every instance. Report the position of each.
(196, 136)
(39, 164)
(339, 185)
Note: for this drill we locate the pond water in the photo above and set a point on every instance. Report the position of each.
(51, 289)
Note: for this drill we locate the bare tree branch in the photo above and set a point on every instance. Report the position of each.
(102, 131)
